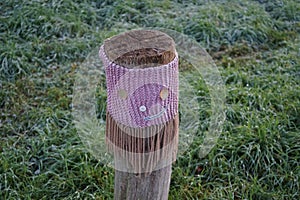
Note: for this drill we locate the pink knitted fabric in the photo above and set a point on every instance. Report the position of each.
(140, 98)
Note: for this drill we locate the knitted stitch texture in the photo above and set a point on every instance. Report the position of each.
(141, 98)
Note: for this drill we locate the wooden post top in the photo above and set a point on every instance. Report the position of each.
(140, 48)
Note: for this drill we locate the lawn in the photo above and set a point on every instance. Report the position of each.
(255, 44)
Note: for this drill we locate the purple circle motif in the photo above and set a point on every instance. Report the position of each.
(155, 107)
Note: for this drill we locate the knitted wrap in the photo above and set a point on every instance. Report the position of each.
(141, 98)
(142, 115)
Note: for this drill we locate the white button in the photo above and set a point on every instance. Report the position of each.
(143, 108)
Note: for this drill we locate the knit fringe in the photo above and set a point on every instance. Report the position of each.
(135, 153)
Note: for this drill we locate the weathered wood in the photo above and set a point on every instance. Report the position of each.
(140, 187)
(141, 49)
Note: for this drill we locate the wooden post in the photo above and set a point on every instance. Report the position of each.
(154, 49)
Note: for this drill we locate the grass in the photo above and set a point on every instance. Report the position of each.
(254, 43)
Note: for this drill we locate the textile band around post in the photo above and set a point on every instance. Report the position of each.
(142, 111)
